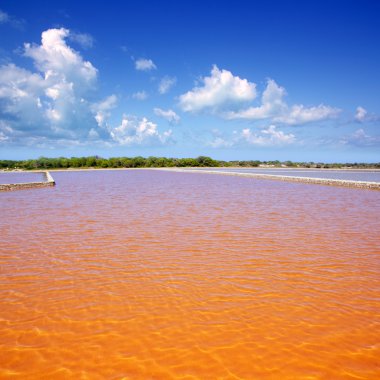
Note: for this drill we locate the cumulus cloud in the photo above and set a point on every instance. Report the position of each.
(140, 95)
(272, 103)
(219, 89)
(51, 105)
(169, 115)
(221, 92)
(133, 131)
(274, 107)
(49, 102)
(20, 96)
(166, 84)
(143, 64)
(58, 61)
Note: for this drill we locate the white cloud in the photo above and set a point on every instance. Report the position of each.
(102, 111)
(361, 138)
(60, 62)
(48, 102)
(272, 103)
(166, 84)
(51, 106)
(85, 40)
(140, 95)
(143, 64)
(133, 131)
(3, 137)
(274, 107)
(20, 91)
(270, 136)
(219, 89)
(5, 131)
(267, 137)
(222, 89)
(169, 115)
(363, 116)
(299, 114)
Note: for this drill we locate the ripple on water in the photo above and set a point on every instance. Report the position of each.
(145, 274)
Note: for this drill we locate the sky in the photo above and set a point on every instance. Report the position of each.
(241, 80)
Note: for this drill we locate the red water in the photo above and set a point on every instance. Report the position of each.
(156, 275)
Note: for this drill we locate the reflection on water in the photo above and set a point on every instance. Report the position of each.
(21, 177)
(157, 275)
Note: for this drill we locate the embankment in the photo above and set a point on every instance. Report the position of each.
(29, 185)
(318, 181)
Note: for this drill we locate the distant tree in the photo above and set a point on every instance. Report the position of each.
(140, 162)
(206, 161)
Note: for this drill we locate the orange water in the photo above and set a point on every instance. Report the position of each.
(156, 275)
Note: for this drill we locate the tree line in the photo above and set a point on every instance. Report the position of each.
(160, 162)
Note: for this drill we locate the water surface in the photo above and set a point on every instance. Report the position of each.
(162, 275)
(21, 177)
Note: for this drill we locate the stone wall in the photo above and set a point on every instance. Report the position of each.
(318, 181)
(29, 185)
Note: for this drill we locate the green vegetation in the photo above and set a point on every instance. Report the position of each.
(160, 162)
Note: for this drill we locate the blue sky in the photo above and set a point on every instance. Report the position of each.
(296, 80)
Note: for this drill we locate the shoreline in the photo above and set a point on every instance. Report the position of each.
(210, 170)
(200, 168)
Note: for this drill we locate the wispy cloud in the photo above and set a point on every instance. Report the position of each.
(143, 64)
(361, 138)
(16, 23)
(166, 83)
(266, 137)
(363, 116)
(85, 40)
(102, 111)
(140, 95)
(4, 17)
(169, 115)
